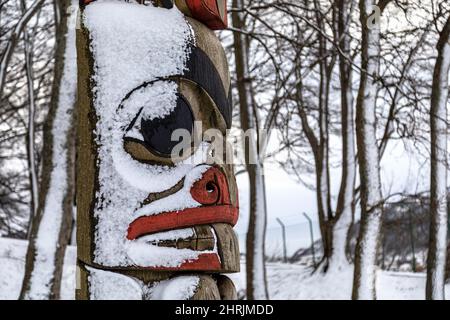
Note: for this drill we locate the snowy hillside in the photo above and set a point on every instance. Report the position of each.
(286, 281)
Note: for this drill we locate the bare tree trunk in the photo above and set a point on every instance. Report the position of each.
(322, 157)
(333, 225)
(438, 210)
(344, 208)
(30, 138)
(320, 164)
(369, 159)
(255, 253)
(51, 226)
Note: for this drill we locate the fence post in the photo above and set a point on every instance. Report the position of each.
(283, 228)
(312, 237)
(411, 237)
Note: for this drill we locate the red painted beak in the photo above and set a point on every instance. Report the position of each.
(211, 191)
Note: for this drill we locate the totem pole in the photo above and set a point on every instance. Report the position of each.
(151, 225)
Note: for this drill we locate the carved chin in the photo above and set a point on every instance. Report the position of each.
(165, 251)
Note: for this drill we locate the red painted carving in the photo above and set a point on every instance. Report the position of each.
(204, 262)
(213, 13)
(211, 190)
(182, 219)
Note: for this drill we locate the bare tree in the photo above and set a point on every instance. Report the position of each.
(439, 139)
(31, 134)
(368, 155)
(14, 39)
(323, 37)
(51, 227)
(27, 61)
(255, 249)
(344, 207)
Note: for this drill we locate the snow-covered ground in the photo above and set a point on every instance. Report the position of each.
(295, 282)
(12, 261)
(286, 281)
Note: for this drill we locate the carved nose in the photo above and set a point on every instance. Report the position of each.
(211, 189)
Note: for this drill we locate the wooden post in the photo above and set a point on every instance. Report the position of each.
(313, 251)
(152, 225)
(283, 231)
(411, 237)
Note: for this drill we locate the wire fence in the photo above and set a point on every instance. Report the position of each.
(403, 240)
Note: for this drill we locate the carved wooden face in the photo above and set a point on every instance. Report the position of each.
(150, 210)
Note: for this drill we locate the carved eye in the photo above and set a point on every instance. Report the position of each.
(157, 132)
(148, 124)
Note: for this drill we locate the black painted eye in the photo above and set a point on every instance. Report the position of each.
(157, 132)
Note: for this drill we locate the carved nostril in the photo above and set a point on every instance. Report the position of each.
(211, 187)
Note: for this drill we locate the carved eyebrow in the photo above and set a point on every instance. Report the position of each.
(133, 122)
(201, 70)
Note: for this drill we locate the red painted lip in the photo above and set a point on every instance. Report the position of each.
(211, 191)
(204, 262)
(182, 219)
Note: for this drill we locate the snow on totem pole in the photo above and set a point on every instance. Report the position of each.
(151, 225)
